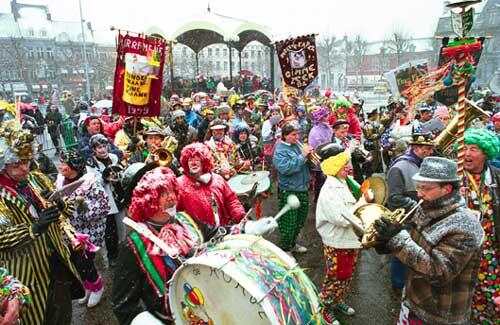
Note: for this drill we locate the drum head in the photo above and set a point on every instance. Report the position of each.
(242, 280)
(243, 183)
(378, 185)
(191, 226)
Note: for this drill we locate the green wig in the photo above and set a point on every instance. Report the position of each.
(486, 140)
(342, 102)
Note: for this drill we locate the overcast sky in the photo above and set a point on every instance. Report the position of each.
(373, 19)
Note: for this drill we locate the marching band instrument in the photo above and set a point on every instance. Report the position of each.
(445, 140)
(313, 156)
(369, 213)
(242, 184)
(292, 203)
(164, 154)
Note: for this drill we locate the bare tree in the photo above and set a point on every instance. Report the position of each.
(358, 55)
(399, 42)
(329, 56)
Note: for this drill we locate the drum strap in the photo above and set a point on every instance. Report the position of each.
(148, 265)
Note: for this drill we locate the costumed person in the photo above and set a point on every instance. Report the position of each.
(208, 116)
(291, 163)
(89, 218)
(482, 193)
(125, 140)
(303, 122)
(440, 244)
(224, 112)
(321, 133)
(32, 244)
(192, 117)
(343, 110)
(247, 150)
(223, 149)
(340, 243)
(401, 189)
(182, 131)
(143, 269)
(204, 194)
(439, 121)
(53, 119)
(13, 296)
(93, 125)
(495, 121)
(102, 164)
(270, 133)
(372, 131)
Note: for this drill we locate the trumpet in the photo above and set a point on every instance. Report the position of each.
(313, 156)
(164, 154)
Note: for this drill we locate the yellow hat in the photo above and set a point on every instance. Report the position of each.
(334, 164)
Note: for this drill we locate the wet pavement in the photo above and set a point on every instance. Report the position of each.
(371, 295)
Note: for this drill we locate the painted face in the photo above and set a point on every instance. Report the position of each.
(292, 137)
(94, 127)
(167, 200)
(474, 159)
(195, 166)
(18, 171)
(101, 151)
(425, 116)
(429, 191)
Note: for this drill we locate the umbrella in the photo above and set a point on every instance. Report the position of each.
(246, 73)
(104, 103)
(200, 94)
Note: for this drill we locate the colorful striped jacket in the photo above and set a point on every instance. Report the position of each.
(25, 254)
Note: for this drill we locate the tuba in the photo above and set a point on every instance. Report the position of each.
(445, 140)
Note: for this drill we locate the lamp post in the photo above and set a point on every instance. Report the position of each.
(84, 54)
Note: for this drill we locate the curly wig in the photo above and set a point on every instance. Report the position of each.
(486, 140)
(146, 195)
(200, 150)
(319, 114)
(342, 102)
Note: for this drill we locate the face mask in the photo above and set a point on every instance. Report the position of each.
(172, 211)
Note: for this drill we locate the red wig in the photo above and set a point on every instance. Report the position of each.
(146, 195)
(199, 150)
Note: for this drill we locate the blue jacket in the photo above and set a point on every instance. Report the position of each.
(293, 172)
(192, 119)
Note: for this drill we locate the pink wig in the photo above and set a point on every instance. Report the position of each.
(146, 195)
(200, 150)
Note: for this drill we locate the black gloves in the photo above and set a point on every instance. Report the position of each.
(386, 229)
(46, 217)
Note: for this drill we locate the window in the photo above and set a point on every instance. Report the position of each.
(217, 65)
(43, 33)
(31, 32)
(217, 52)
(252, 54)
(30, 53)
(224, 51)
(226, 66)
(50, 54)
(253, 66)
(259, 54)
(184, 51)
(209, 52)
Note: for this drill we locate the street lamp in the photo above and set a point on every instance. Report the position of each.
(84, 54)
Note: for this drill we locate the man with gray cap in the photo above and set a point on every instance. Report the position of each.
(440, 244)
(181, 130)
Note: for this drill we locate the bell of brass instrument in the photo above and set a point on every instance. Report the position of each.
(313, 156)
(370, 212)
(445, 140)
(164, 154)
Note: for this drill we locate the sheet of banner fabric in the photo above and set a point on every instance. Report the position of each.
(138, 75)
(298, 60)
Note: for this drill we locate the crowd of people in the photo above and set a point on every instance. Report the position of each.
(155, 173)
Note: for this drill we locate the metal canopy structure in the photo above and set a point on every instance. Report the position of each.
(212, 28)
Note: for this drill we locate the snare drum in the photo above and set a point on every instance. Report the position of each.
(243, 280)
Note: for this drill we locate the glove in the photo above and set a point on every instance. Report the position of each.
(46, 217)
(386, 229)
(261, 226)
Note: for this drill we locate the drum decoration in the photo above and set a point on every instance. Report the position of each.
(243, 280)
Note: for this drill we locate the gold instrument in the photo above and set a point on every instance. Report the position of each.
(63, 222)
(164, 154)
(445, 140)
(313, 156)
(369, 213)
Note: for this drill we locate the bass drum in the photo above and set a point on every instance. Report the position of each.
(243, 280)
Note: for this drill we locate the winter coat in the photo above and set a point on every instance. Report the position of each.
(335, 200)
(199, 200)
(97, 168)
(293, 172)
(402, 191)
(442, 251)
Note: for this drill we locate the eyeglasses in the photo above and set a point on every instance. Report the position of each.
(426, 188)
